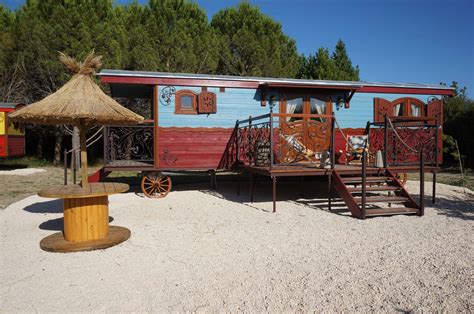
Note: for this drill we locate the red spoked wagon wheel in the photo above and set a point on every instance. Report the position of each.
(156, 185)
(402, 177)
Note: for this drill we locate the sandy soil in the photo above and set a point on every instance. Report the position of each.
(201, 250)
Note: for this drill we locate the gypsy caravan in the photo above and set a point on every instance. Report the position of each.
(279, 127)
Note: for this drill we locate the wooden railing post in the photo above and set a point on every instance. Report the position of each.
(385, 142)
(436, 163)
(65, 167)
(421, 211)
(436, 147)
(333, 148)
(271, 141)
(237, 136)
(73, 162)
(249, 141)
(105, 136)
(364, 181)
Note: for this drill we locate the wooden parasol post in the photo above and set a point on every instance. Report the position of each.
(82, 136)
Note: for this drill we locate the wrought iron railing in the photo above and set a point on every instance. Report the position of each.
(401, 140)
(128, 143)
(277, 139)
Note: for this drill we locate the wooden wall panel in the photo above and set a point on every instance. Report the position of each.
(192, 148)
(233, 104)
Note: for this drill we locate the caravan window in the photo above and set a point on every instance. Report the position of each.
(185, 102)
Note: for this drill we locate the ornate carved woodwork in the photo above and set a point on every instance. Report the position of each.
(167, 158)
(398, 154)
(314, 133)
(382, 107)
(207, 102)
(435, 110)
(416, 134)
(128, 143)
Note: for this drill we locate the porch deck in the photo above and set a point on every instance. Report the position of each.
(309, 169)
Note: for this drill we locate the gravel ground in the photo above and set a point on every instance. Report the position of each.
(201, 250)
(21, 172)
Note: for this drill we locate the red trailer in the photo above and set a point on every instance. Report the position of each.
(278, 127)
(12, 135)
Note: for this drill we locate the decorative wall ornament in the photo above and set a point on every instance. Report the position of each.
(166, 94)
(168, 158)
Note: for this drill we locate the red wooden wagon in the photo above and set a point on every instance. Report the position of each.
(211, 123)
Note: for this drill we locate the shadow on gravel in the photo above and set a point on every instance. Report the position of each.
(310, 192)
(58, 224)
(48, 207)
(454, 208)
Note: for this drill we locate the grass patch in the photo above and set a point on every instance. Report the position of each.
(449, 177)
(24, 162)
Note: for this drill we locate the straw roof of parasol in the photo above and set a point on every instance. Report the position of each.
(79, 99)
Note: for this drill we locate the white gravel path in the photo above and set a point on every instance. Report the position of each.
(21, 172)
(199, 250)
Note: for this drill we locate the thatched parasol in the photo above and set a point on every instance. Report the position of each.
(81, 102)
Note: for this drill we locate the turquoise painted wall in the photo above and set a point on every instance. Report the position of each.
(362, 108)
(233, 104)
(240, 103)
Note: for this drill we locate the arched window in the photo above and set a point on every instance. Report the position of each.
(185, 102)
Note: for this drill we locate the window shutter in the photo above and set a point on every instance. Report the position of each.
(435, 110)
(382, 107)
(207, 102)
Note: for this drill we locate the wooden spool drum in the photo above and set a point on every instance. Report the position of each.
(86, 219)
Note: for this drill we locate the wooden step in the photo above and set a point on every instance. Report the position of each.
(390, 211)
(368, 179)
(374, 188)
(378, 199)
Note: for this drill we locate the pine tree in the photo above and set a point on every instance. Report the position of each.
(253, 44)
(7, 67)
(181, 37)
(344, 69)
(321, 66)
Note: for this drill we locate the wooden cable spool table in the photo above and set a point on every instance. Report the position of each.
(86, 218)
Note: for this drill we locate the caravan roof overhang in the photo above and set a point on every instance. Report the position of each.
(124, 83)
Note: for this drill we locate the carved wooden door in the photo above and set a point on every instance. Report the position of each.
(290, 126)
(318, 129)
(314, 133)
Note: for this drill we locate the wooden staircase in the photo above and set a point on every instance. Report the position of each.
(365, 193)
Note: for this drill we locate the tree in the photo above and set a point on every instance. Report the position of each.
(8, 69)
(253, 44)
(181, 39)
(344, 69)
(458, 117)
(42, 28)
(322, 66)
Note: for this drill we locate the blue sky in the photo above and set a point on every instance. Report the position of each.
(420, 41)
